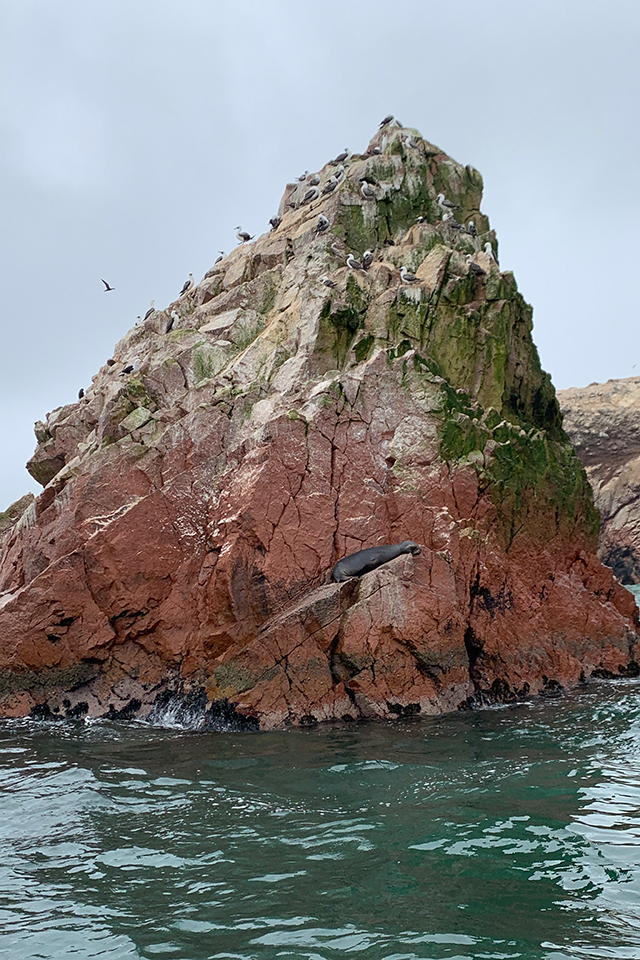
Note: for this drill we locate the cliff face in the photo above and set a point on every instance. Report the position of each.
(603, 423)
(193, 506)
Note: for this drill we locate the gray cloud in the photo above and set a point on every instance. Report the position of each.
(137, 134)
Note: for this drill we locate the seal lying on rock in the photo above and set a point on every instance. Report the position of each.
(365, 560)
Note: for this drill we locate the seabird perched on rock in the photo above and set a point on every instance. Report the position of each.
(446, 216)
(367, 190)
(322, 224)
(421, 219)
(340, 173)
(242, 235)
(107, 288)
(408, 277)
(132, 367)
(302, 177)
(152, 309)
(312, 194)
(330, 185)
(488, 249)
(80, 393)
(188, 285)
(327, 282)
(387, 120)
(475, 267)
(221, 257)
(314, 180)
(367, 259)
(341, 157)
(175, 316)
(410, 142)
(275, 222)
(444, 203)
(354, 264)
(471, 229)
(373, 151)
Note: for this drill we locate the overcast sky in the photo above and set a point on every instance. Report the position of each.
(135, 134)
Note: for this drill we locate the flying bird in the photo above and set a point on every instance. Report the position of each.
(367, 259)
(242, 235)
(408, 277)
(387, 120)
(107, 288)
(152, 309)
(354, 264)
(188, 285)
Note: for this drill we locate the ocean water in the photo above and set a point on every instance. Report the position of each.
(504, 833)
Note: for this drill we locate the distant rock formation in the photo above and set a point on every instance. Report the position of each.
(603, 421)
(197, 497)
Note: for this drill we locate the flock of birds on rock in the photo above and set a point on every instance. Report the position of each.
(314, 191)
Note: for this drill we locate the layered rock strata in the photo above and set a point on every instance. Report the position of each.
(603, 422)
(297, 412)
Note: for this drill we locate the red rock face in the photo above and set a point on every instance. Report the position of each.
(196, 508)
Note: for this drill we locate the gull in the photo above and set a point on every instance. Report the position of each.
(242, 235)
(471, 228)
(367, 259)
(322, 223)
(302, 176)
(387, 120)
(314, 180)
(188, 285)
(327, 282)
(275, 222)
(408, 277)
(444, 203)
(221, 257)
(152, 309)
(312, 194)
(107, 288)
(330, 185)
(354, 264)
(475, 267)
(488, 249)
(367, 190)
(341, 157)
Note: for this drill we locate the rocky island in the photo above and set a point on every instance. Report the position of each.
(284, 412)
(602, 422)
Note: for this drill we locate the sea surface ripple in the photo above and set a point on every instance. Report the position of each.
(505, 833)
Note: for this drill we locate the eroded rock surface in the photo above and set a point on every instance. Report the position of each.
(603, 421)
(194, 507)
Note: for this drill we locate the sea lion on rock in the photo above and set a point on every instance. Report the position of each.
(365, 560)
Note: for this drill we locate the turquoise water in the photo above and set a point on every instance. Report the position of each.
(505, 833)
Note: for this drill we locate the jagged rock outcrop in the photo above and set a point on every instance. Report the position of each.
(603, 422)
(194, 506)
